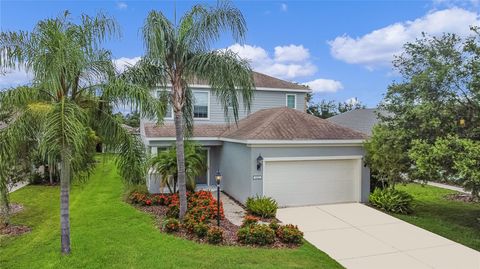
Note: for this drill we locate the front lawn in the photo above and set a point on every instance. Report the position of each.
(108, 233)
(455, 220)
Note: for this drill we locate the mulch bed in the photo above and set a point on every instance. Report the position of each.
(462, 197)
(229, 229)
(13, 230)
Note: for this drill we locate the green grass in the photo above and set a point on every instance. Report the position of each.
(108, 233)
(455, 220)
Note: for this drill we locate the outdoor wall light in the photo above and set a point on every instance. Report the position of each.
(259, 162)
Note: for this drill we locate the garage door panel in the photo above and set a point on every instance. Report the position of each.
(294, 183)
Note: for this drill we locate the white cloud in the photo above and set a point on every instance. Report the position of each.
(378, 47)
(291, 53)
(289, 62)
(13, 78)
(123, 62)
(283, 7)
(324, 85)
(122, 5)
(352, 101)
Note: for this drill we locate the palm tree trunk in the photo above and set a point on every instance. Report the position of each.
(65, 202)
(50, 173)
(182, 186)
(4, 204)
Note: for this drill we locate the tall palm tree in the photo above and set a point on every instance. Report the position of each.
(178, 54)
(74, 89)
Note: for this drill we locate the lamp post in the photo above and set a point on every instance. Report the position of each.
(218, 179)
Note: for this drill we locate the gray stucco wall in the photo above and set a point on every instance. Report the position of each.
(311, 151)
(261, 100)
(234, 163)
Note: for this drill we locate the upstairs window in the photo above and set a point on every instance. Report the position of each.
(200, 105)
(291, 101)
(169, 112)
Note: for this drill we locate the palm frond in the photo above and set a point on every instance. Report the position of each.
(158, 36)
(131, 151)
(202, 26)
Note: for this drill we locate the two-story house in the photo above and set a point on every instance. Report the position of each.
(276, 149)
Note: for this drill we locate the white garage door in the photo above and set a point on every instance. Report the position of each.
(310, 182)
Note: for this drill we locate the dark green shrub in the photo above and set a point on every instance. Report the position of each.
(171, 225)
(249, 220)
(201, 229)
(215, 235)
(264, 207)
(392, 200)
(274, 225)
(173, 211)
(258, 234)
(289, 234)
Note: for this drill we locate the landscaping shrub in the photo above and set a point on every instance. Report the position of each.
(171, 225)
(201, 229)
(289, 234)
(249, 220)
(215, 235)
(159, 199)
(138, 198)
(173, 211)
(189, 224)
(256, 234)
(264, 207)
(274, 225)
(392, 200)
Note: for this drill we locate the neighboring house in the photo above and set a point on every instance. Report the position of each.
(361, 120)
(276, 150)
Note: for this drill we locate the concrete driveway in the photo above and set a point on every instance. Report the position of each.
(358, 236)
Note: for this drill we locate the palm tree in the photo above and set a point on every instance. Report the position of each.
(177, 55)
(165, 164)
(74, 89)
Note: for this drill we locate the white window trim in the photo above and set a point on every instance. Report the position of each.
(171, 107)
(208, 106)
(286, 99)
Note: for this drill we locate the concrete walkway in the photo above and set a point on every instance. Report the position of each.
(233, 212)
(360, 237)
(445, 186)
(18, 186)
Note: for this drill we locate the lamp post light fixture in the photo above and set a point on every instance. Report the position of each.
(259, 162)
(218, 179)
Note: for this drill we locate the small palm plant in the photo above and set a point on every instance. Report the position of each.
(165, 164)
(74, 89)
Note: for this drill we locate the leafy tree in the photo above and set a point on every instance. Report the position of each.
(165, 164)
(179, 54)
(456, 159)
(385, 155)
(73, 92)
(329, 108)
(438, 96)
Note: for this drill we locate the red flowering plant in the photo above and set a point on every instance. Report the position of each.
(159, 199)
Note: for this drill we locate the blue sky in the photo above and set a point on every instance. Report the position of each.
(342, 49)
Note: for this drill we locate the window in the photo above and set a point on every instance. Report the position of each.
(200, 106)
(291, 100)
(169, 113)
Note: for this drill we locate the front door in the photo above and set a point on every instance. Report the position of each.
(202, 178)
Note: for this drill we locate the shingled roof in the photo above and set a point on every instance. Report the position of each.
(265, 81)
(168, 130)
(285, 123)
(268, 124)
